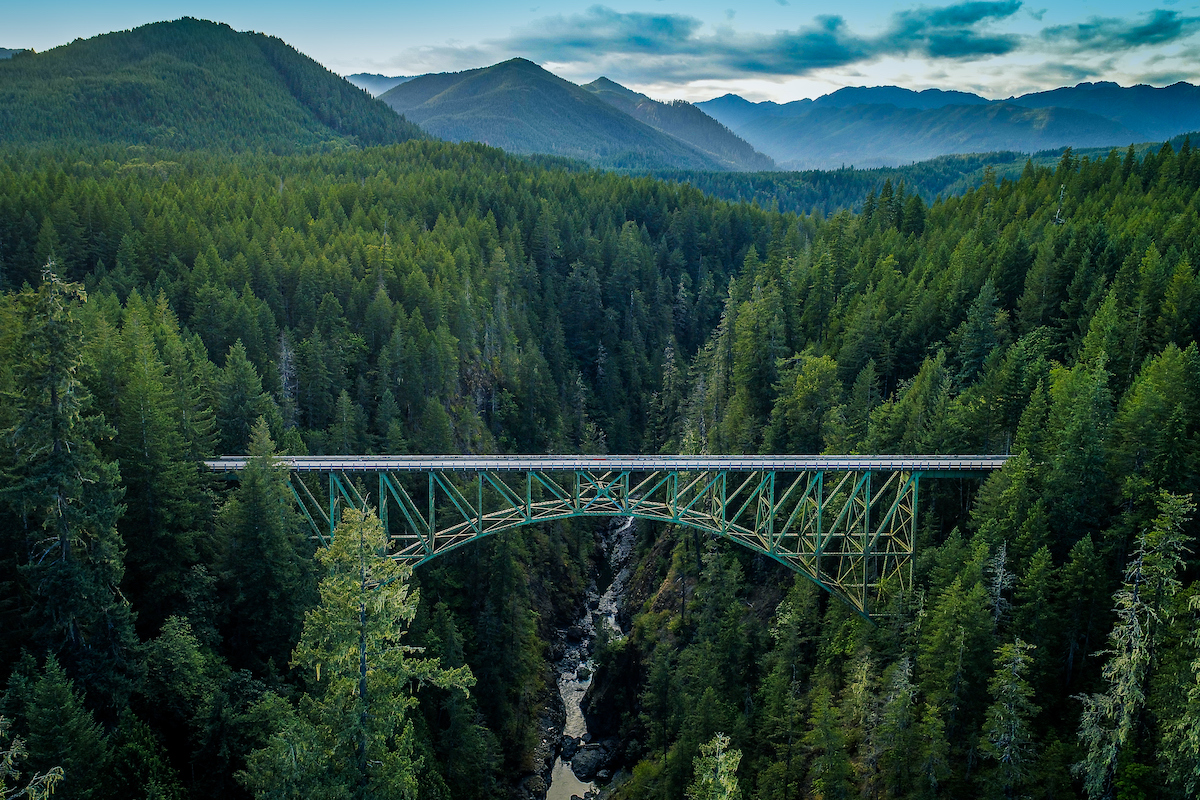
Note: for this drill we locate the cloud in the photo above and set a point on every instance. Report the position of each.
(1106, 34)
(955, 32)
(678, 48)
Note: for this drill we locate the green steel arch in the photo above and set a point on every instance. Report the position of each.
(848, 523)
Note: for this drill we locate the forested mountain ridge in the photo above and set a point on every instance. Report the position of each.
(889, 125)
(683, 121)
(520, 107)
(826, 137)
(1155, 113)
(187, 83)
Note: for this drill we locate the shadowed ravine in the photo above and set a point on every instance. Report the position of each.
(582, 761)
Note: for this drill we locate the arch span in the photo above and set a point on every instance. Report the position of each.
(845, 522)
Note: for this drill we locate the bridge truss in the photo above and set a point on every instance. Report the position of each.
(846, 522)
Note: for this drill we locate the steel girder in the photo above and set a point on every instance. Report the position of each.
(850, 532)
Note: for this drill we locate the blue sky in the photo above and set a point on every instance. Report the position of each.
(697, 49)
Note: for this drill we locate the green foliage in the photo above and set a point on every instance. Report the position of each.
(1110, 720)
(188, 83)
(716, 771)
(38, 787)
(351, 735)
(67, 496)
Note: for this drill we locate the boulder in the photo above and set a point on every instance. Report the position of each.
(590, 759)
(569, 747)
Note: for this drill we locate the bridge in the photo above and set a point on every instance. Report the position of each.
(848, 523)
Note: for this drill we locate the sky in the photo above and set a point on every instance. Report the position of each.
(695, 50)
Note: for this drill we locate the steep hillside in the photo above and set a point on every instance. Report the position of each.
(187, 83)
(522, 108)
(377, 84)
(1158, 114)
(683, 121)
(883, 135)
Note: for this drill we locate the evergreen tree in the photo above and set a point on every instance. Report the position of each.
(715, 771)
(62, 733)
(39, 786)
(240, 401)
(1007, 733)
(264, 561)
(1111, 719)
(68, 498)
(351, 735)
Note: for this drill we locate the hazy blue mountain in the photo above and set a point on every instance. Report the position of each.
(376, 84)
(187, 83)
(520, 107)
(6, 52)
(883, 135)
(898, 97)
(683, 121)
(1157, 114)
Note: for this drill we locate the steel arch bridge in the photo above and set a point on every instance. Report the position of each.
(848, 523)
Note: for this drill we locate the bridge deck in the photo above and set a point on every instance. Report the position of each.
(620, 463)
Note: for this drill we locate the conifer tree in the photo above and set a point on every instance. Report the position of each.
(69, 499)
(1110, 719)
(715, 771)
(38, 786)
(1007, 735)
(62, 733)
(351, 735)
(264, 561)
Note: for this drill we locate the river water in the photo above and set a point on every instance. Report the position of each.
(577, 665)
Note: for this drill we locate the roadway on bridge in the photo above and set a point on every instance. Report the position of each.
(620, 463)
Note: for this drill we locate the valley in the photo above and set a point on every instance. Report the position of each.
(212, 245)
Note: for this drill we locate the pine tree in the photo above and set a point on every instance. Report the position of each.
(351, 735)
(1110, 719)
(62, 733)
(240, 400)
(265, 564)
(715, 771)
(1007, 737)
(69, 499)
(39, 786)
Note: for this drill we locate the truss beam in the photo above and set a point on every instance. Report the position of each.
(847, 523)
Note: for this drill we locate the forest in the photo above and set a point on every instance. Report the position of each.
(170, 635)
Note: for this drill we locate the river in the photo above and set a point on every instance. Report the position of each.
(577, 665)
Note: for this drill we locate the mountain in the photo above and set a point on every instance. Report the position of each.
(187, 83)
(376, 84)
(1157, 114)
(883, 135)
(898, 97)
(520, 107)
(889, 125)
(683, 121)
(6, 52)
(734, 111)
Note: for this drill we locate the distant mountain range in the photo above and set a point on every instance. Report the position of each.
(685, 122)
(187, 83)
(376, 84)
(888, 126)
(191, 83)
(520, 107)
(6, 52)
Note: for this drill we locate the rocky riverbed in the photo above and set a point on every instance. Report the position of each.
(581, 763)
